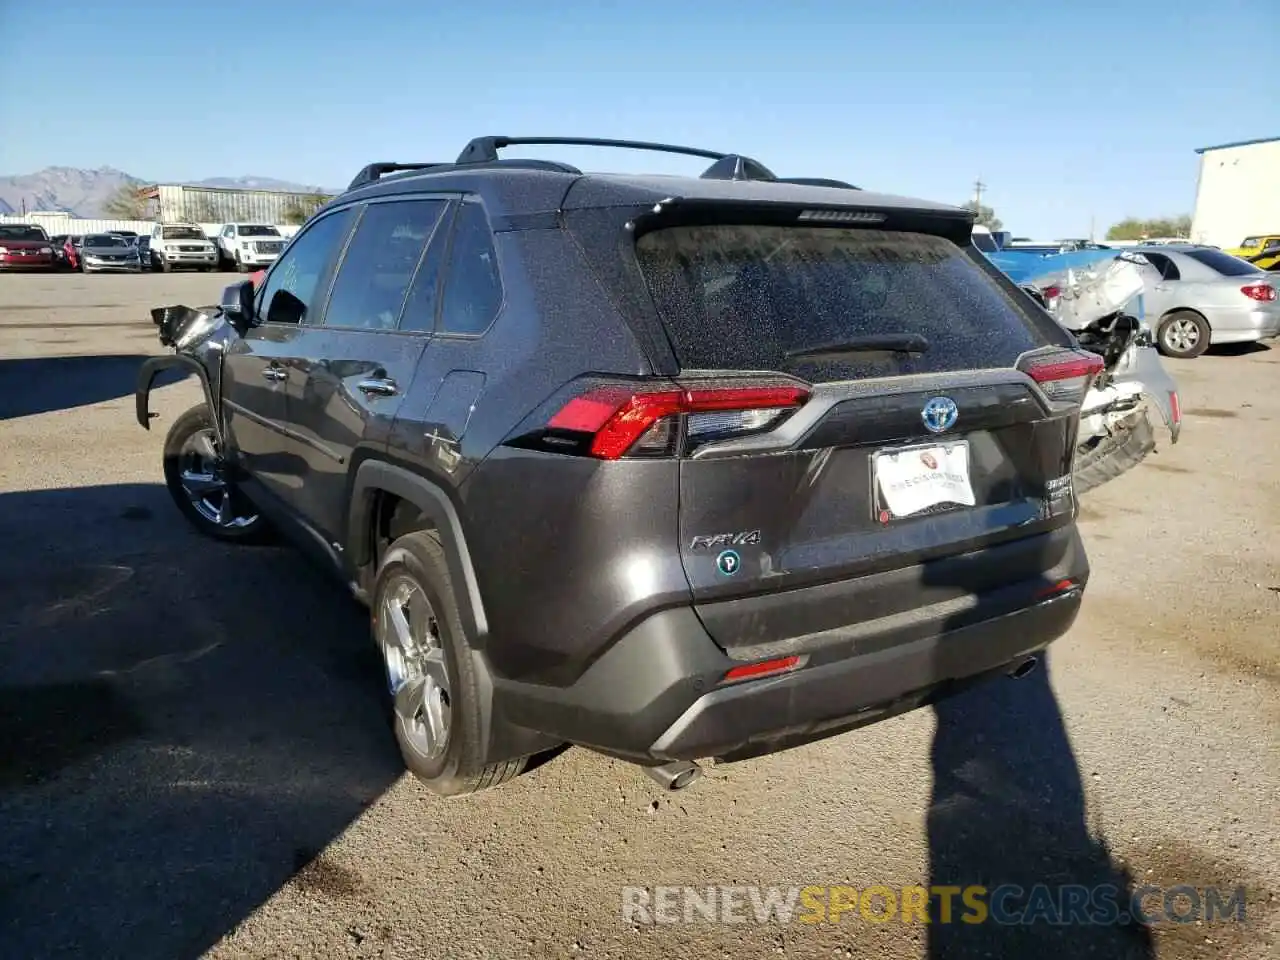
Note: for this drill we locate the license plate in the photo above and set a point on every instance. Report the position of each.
(912, 480)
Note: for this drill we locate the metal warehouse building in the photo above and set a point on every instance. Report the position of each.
(190, 204)
(1237, 192)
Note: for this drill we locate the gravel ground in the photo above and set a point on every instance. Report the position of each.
(195, 757)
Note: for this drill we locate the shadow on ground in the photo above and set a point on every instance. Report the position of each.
(1238, 349)
(42, 384)
(1008, 814)
(184, 725)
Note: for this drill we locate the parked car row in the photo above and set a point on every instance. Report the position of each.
(170, 246)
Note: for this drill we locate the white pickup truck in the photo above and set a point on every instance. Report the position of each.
(175, 245)
(248, 246)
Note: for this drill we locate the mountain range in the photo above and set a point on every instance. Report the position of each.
(84, 193)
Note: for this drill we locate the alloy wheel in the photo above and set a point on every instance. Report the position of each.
(408, 633)
(203, 478)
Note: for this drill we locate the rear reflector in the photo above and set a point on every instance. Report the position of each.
(1064, 376)
(623, 420)
(1262, 292)
(1062, 586)
(765, 668)
(1175, 408)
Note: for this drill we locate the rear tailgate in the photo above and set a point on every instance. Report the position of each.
(894, 458)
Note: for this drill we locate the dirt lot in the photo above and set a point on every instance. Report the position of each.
(195, 758)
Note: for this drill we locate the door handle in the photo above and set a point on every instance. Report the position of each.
(379, 387)
(275, 373)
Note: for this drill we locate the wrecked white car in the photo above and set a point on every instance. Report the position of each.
(1097, 295)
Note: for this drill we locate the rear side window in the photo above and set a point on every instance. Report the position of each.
(1223, 263)
(742, 297)
(1168, 270)
(379, 264)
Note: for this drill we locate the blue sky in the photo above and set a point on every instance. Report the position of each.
(1066, 110)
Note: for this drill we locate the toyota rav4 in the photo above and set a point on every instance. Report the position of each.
(670, 468)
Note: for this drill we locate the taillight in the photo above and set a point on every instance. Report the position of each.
(1262, 292)
(611, 421)
(1051, 293)
(1064, 376)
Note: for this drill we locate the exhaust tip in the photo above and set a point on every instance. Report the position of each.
(1025, 668)
(675, 775)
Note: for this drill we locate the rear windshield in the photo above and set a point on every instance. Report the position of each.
(742, 297)
(1224, 263)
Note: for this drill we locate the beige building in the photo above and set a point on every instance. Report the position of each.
(1237, 192)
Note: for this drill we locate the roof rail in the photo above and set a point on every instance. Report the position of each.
(376, 171)
(818, 182)
(485, 149)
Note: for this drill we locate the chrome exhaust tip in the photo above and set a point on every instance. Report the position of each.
(675, 775)
(1025, 668)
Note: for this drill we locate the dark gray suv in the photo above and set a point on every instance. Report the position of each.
(670, 468)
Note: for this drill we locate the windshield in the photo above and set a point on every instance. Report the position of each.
(19, 231)
(104, 240)
(1224, 263)
(182, 233)
(743, 297)
(255, 230)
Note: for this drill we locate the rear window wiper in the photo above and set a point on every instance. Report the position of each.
(872, 343)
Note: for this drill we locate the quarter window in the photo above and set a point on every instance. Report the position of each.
(472, 287)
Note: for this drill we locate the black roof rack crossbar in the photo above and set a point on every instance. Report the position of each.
(485, 149)
(376, 171)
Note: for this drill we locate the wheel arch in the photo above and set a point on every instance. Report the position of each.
(378, 492)
(147, 374)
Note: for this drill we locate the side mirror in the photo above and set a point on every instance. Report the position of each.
(237, 305)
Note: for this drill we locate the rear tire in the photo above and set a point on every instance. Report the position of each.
(194, 479)
(1183, 334)
(437, 696)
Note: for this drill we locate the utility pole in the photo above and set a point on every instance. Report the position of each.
(978, 187)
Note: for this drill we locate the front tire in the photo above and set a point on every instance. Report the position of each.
(165, 266)
(1183, 334)
(437, 697)
(197, 481)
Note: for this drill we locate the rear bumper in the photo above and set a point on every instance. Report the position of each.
(1245, 326)
(656, 695)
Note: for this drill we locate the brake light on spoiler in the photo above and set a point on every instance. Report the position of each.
(1064, 376)
(612, 421)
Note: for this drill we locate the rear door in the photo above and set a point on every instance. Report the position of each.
(915, 437)
(349, 374)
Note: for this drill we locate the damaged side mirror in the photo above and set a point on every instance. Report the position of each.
(237, 305)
